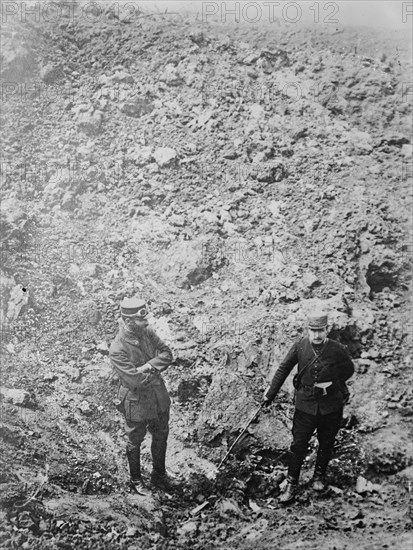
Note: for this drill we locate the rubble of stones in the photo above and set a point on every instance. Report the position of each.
(177, 160)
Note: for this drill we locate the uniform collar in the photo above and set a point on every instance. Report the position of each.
(319, 348)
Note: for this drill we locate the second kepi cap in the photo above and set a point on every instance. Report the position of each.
(317, 320)
(131, 306)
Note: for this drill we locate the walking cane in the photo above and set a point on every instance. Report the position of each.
(244, 429)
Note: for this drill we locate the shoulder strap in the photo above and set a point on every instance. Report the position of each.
(336, 380)
(316, 356)
(302, 371)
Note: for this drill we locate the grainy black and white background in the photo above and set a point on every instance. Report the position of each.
(237, 164)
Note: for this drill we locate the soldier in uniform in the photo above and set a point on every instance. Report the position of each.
(324, 365)
(139, 356)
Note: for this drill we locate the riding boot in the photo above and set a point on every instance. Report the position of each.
(159, 477)
(158, 451)
(294, 467)
(320, 469)
(133, 455)
(294, 464)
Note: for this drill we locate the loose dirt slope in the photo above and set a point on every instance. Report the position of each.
(235, 177)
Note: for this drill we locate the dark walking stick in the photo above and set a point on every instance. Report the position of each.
(244, 429)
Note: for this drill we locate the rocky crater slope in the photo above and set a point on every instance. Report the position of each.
(235, 177)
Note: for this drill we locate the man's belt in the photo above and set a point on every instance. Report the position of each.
(321, 385)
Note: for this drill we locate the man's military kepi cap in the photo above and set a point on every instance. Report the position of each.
(131, 306)
(317, 320)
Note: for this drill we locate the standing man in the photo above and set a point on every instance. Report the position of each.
(139, 356)
(324, 365)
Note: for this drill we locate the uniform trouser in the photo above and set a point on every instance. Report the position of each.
(304, 424)
(136, 431)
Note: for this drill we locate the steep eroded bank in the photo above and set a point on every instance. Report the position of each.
(189, 170)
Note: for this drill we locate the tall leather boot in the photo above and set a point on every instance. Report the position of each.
(158, 451)
(295, 461)
(136, 483)
(294, 468)
(133, 455)
(320, 469)
(159, 477)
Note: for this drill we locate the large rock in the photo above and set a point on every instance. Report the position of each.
(90, 122)
(136, 107)
(69, 201)
(11, 210)
(58, 190)
(271, 172)
(18, 298)
(140, 155)
(52, 74)
(164, 156)
(7, 284)
(15, 396)
(18, 62)
(59, 180)
(390, 451)
(171, 76)
(190, 263)
(229, 405)
(361, 143)
(407, 150)
(10, 433)
(121, 76)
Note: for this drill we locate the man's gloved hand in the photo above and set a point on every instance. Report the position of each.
(146, 368)
(145, 374)
(266, 402)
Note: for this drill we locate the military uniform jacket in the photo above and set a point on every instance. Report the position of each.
(144, 395)
(335, 366)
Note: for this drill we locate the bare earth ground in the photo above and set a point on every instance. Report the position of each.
(233, 176)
